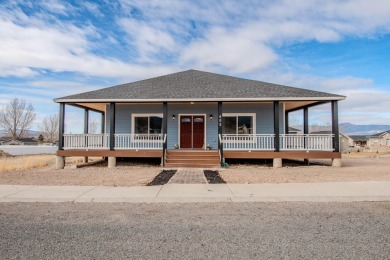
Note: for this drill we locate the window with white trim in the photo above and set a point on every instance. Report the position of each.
(238, 124)
(147, 124)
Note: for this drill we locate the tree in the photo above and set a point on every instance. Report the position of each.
(50, 127)
(40, 138)
(16, 117)
(93, 126)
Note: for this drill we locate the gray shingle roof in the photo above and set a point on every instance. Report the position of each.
(193, 85)
(380, 134)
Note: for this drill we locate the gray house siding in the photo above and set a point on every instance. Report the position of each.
(211, 125)
(264, 118)
(123, 115)
(264, 115)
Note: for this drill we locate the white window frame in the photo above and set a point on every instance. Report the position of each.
(253, 115)
(133, 116)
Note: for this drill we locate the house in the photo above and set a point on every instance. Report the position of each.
(292, 130)
(359, 140)
(379, 141)
(198, 119)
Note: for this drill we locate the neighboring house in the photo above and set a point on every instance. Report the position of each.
(178, 117)
(359, 140)
(292, 130)
(345, 141)
(379, 141)
(21, 141)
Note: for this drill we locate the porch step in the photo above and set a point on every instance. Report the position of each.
(191, 165)
(192, 159)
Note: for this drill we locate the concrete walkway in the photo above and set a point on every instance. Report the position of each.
(326, 192)
(188, 176)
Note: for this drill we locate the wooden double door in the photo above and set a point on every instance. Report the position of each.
(192, 133)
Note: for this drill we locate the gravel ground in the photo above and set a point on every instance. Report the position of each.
(125, 174)
(134, 173)
(354, 169)
(195, 231)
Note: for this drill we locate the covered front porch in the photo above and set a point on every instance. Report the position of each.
(266, 133)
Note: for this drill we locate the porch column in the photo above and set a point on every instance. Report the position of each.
(305, 120)
(286, 123)
(60, 160)
(220, 144)
(305, 128)
(86, 126)
(165, 130)
(61, 127)
(112, 160)
(335, 126)
(103, 126)
(277, 161)
(276, 126)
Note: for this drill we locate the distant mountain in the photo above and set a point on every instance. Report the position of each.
(350, 129)
(31, 133)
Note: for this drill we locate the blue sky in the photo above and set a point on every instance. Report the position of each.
(50, 49)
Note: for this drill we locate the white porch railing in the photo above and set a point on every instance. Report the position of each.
(138, 141)
(306, 142)
(248, 142)
(86, 141)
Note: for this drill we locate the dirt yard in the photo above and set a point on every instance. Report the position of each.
(354, 169)
(128, 173)
(133, 173)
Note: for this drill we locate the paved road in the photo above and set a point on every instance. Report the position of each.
(294, 230)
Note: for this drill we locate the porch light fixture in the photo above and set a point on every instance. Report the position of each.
(173, 117)
(211, 117)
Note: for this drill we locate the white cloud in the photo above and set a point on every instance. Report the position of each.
(25, 48)
(147, 39)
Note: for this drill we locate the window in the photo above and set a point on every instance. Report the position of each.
(147, 124)
(240, 124)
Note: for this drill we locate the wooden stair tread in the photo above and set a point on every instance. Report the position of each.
(192, 159)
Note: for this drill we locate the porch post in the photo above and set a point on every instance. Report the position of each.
(336, 162)
(60, 160)
(86, 120)
(305, 129)
(276, 126)
(286, 123)
(335, 126)
(112, 126)
(86, 126)
(220, 144)
(103, 123)
(112, 160)
(277, 161)
(61, 129)
(165, 130)
(305, 120)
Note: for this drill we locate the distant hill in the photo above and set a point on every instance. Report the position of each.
(31, 133)
(351, 129)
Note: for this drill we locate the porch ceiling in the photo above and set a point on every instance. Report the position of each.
(297, 104)
(96, 106)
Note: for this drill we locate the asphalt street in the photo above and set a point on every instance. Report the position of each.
(292, 230)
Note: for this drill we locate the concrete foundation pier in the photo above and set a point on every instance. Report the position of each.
(277, 163)
(111, 162)
(60, 162)
(336, 162)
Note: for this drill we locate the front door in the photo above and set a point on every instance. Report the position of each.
(192, 131)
